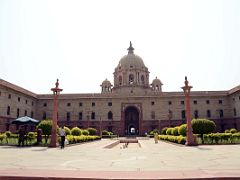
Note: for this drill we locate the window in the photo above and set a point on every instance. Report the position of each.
(80, 104)
(153, 115)
(32, 103)
(142, 79)
(93, 103)
(18, 112)
(234, 112)
(182, 102)
(183, 114)
(68, 116)
(169, 102)
(170, 114)
(26, 101)
(221, 113)
(152, 103)
(208, 113)
(68, 104)
(9, 96)
(109, 103)
(207, 102)
(19, 99)
(0, 93)
(32, 114)
(120, 80)
(8, 110)
(93, 115)
(80, 115)
(233, 99)
(131, 79)
(196, 114)
(44, 116)
(110, 115)
(220, 101)
(194, 102)
(45, 104)
(239, 97)
(25, 113)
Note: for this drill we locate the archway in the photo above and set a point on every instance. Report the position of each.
(131, 115)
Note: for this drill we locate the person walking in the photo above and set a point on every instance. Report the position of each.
(21, 137)
(62, 134)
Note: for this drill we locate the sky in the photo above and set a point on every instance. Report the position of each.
(81, 42)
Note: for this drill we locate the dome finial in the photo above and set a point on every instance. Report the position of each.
(130, 49)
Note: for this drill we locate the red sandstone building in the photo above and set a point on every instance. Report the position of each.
(130, 103)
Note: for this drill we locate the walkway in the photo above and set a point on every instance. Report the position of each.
(151, 161)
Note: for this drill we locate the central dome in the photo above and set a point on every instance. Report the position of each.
(131, 61)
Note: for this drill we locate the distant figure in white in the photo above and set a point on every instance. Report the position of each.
(132, 130)
(62, 134)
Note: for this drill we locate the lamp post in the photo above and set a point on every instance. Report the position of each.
(56, 92)
(191, 140)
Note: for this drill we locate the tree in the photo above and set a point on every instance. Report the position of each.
(203, 126)
(46, 126)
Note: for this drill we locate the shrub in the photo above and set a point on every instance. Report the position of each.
(105, 133)
(163, 131)
(182, 130)
(227, 131)
(92, 131)
(76, 131)
(233, 130)
(203, 126)
(2, 136)
(46, 126)
(175, 131)
(85, 132)
(67, 130)
(169, 131)
(31, 136)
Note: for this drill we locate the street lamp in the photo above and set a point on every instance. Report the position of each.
(56, 92)
(191, 140)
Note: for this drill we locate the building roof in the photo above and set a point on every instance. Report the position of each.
(17, 88)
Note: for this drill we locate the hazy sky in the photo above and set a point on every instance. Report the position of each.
(81, 42)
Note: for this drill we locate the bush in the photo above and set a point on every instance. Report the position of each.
(175, 131)
(31, 136)
(169, 131)
(85, 132)
(105, 133)
(2, 136)
(76, 131)
(203, 126)
(92, 131)
(163, 131)
(182, 130)
(67, 131)
(174, 139)
(46, 126)
(227, 131)
(233, 130)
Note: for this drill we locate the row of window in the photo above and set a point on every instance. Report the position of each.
(80, 116)
(18, 112)
(19, 99)
(196, 102)
(152, 103)
(80, 104)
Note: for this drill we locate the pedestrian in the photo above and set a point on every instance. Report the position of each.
(21, 136)
(156, 137)
(62, 134)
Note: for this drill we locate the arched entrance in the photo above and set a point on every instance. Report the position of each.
(131, 115)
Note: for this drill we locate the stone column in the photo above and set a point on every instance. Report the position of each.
(56, 92)
(191, 140)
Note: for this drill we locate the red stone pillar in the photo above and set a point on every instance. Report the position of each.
(191, 140)
(56, 92)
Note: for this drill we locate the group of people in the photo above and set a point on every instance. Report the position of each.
(22, 136)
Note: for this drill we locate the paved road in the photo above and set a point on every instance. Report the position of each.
(161, 157)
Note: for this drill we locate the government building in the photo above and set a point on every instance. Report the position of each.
(132, 104)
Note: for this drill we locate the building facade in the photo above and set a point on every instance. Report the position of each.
(131, 103)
